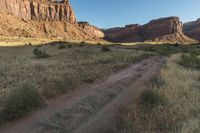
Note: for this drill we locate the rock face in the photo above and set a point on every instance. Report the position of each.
(166, 30)
(11, 26)
(161, 27)
(54, 19)
(90, 29)
(129, 33)
(39, 10)
(192, 29)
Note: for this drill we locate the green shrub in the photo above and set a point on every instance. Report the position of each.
(177, 44)
(20, 101)
(105, 48)
(99, 44)
(61, 47)
(39, 54)
(82, 44)
(190, 60)
(156, 81)
(69, 45)
(150, 99)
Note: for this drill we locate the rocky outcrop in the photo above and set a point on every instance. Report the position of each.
(161, 27)
(47, 10)
(90, 29)
(192, 29)
(43, 19)
(166, 30)
(129, 33)
(11, 26)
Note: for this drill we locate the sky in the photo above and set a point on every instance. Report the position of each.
(116, 13)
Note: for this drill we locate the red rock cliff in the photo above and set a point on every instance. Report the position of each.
(161, 27)
(90, 29)
(166, 30)
(192, 29)
(40, 10)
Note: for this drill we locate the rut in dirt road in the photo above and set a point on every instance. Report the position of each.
(94, 106)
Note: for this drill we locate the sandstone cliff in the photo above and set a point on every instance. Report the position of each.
(192, 29)
(166, 30)
(90, 29)
(43, 19)
(39, 10)
(12, 26)
(129, 33)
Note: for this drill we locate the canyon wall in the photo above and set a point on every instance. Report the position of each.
(192, 29)
(46, 10)
(161, 27)
(167, 30)
(90, 29)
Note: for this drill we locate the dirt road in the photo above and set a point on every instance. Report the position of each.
(90, 106)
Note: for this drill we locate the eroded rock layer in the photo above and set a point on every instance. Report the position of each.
(90, 29)
(11, 26)
(43, 19)
(166, 30)
(39, 10)
(192, 29)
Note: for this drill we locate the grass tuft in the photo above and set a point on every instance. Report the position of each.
(190, 60)
(151, 99)
(20, 101)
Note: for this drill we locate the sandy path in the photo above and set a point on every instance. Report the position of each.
(131, 78)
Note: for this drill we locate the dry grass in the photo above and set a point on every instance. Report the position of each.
(21, 41)
(179, 88)
(64, 71)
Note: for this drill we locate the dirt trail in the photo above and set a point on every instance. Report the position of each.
(120, 88)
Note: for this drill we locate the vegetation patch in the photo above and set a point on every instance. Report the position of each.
(39, 53)
(69, 46)
(20, 101)
(105, 48)
(82, 44)
(167, 49)
(64, 72)
(191, 60)
(172, 106)
(150, 99)
(61, 46)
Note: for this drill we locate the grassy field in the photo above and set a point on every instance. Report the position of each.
(169, 103)
(166, 49)
(27, 78)
(29, 75)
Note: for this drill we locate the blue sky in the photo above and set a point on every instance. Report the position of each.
(113, 13)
